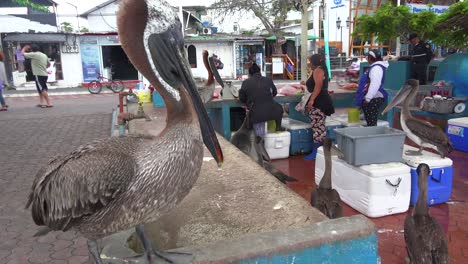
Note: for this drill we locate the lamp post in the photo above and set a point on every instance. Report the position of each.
(348, 26)
(77, 19)
(339, 27)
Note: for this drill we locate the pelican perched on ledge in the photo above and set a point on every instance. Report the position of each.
(421, 132)
(122, 182)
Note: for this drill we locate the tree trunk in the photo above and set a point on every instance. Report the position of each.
(277, 48)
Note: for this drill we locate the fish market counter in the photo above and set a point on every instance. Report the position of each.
(239, 213)
(219, 110)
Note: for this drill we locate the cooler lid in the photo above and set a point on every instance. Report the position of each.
(431, 159)
(385, 169)
(332, 122)
(343, 119)
(293, 124)
(373, 170)
(278, 134)
(461, 121)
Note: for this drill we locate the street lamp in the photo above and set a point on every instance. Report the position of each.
(348, 23)
(77, 19)
(339, 27)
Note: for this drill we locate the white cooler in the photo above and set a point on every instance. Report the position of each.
(277, 144)
(374, 190)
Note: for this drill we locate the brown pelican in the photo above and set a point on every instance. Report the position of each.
(122, 182)
(206, 89)
(263, 159)
(242, 139)
(420, 132)
(425, 240)
(324, 198)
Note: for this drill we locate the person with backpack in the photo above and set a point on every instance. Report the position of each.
(371, 94)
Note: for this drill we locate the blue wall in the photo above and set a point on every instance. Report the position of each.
(363, 250)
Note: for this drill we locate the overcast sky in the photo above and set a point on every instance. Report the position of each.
(67, 12)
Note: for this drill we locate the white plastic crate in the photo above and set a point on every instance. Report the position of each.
(374, 190)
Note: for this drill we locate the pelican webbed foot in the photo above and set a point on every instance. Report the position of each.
(94, 250)
(152, 255)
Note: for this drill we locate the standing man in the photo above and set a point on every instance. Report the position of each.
(39, 65)
(420, 58)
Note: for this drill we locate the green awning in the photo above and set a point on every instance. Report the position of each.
(293, 38)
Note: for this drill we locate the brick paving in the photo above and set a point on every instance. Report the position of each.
(29, 136)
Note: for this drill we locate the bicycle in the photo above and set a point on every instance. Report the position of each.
(95, 86)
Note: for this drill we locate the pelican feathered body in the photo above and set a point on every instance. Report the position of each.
(122, 182)
(424, 237)
(242, 138)
(326, 199)
(421, 132)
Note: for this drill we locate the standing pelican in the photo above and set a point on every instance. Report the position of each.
(122, 182)
(206, 89)
(324, 198)
(421, 132)
(425, 240)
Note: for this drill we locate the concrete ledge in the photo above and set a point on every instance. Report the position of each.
(241, 214)
(343, 240)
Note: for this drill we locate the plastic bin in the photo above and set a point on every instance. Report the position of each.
(457, 128)
(440, 106)
(370, 145)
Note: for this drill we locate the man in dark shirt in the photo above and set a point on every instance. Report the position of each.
(421, 55)
(258, 92)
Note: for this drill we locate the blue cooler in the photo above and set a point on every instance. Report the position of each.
(330, 125)
(301, 136)
(439, 181)
(456, 130)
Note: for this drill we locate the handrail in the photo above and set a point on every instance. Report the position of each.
(289, 59)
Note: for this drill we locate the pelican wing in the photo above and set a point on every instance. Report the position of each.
(81, 183)
(427, 132)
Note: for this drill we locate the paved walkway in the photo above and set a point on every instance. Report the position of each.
(29, 136)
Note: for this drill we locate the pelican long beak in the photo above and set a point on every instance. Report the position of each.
(168, 55)
(399, 97)
(215, 72)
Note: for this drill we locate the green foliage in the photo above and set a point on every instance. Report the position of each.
(84, 29)
(28, 3)
(66, 27)
(452, 26)
(389, 22)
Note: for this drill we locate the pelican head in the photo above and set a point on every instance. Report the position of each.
(409, 89)
(423, 170)
(151, 29)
